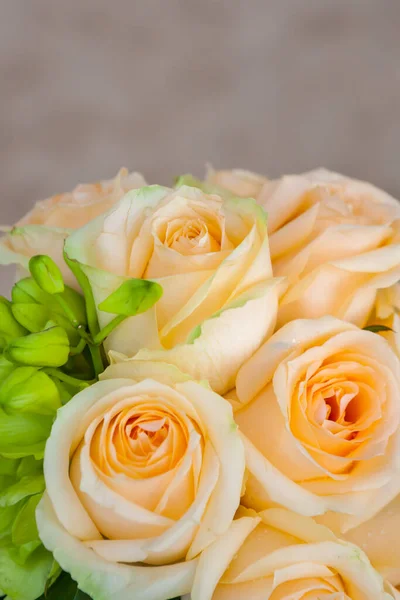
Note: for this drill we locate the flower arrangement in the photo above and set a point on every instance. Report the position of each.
(200, 392)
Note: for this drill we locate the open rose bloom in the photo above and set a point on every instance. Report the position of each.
(229, 421)
(278, 555)
(44, 229)
(328, 396)
(331, 233)
(210, 256)
(140, 471)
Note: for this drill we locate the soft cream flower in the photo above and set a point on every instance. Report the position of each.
(139, 472)
(319, 410)
(279, 555)
(239, 182)
(210, 256)
(335, 239)
(44, 229)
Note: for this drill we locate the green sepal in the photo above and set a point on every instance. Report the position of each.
(49, 348)
(46, 274)
(133, 297)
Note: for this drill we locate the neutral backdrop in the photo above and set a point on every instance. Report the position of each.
(165, 86)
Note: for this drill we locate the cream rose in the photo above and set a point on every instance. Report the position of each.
(279, 555)
(139, 472)
(335, 239)
(239, 182)
(379, 538)
(44, 229)
(319, 410)
(210, 256)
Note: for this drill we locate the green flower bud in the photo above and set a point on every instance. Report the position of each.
(9, 326)
(32, 316)
(46, 274)
(35, 316)
(23, 434)
(49, 348)
(29, 390)
(27, 291)
(6, 368)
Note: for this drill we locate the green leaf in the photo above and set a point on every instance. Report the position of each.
(27, 486)
(24, 581)
(46, 274)
(377, 328)
(133, 297)
(24, 528)
(29, 390)
(49, 348)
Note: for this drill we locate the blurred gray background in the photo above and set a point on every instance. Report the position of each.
(164, 86)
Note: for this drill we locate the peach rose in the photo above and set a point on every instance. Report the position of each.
(211, 257)
(379, 538)
(279, 555)
(336, 240)
(319, 410)
(141, 470)
(239, 182)
(44, 229)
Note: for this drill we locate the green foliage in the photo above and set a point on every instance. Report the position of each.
(50, 349)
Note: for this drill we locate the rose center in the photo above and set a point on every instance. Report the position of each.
(193, 236)
(150, 434)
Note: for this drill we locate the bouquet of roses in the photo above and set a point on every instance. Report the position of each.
(200, 392)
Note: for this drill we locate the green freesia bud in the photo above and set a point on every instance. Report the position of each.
(46, 274)
(32, 316)
(5, 368)
(49, 348)
(27, 291)
(35, 316)
(29, 466)
(29, 390)
(23, 434)
(9, 326)
(133, 297)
